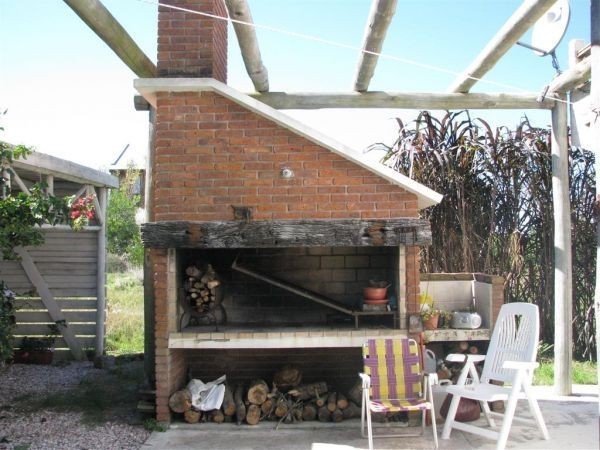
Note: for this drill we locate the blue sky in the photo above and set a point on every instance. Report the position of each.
(67, 94)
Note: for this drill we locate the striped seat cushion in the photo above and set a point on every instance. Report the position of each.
(412, 404)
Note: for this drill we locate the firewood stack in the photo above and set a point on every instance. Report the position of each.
(287, 400)
(202, 288)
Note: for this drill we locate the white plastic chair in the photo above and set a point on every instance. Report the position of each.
(510, 359)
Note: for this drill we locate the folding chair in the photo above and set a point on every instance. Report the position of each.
(393, 382)
(510, 359)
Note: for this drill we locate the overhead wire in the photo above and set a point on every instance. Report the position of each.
(333, 43)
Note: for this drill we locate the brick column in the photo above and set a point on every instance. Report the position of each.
(192, 45)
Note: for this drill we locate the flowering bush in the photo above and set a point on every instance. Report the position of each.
(81, 211)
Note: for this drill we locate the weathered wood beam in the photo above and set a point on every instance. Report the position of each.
(284, 100)
(50, 303)
(571, 78)
(563, 292)
(286, 233)
(239, 11)
(522, 19)
(102, 22)
(101, 275)
(379, 20)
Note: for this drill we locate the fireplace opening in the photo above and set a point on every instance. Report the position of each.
(297, 287)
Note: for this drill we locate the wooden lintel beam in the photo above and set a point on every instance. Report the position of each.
(102, 22)
(522, 19)
(379, 20)
(286, 233)
(571, 78)
(284, 100)
(239, 11)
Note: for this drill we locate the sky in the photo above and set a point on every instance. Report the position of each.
(67, 94)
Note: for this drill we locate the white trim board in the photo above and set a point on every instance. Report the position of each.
(149, 87)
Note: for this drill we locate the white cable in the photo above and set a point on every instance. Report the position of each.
(342, 45)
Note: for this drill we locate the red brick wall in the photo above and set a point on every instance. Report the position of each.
(212, 153)
(192, 45)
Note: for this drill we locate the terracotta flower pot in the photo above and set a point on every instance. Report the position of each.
(374, 293)
(432, 322)
(34, 357)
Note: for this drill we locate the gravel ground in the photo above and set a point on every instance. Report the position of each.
(24, 428)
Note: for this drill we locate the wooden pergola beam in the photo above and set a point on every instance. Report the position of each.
(522, 19)
(285, 100)
(102, 22)
(239, 11)
(379, 20)
(571, 78)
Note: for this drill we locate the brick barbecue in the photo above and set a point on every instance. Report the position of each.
(238, 185)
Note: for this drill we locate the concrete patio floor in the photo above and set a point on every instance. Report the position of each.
(573, 423)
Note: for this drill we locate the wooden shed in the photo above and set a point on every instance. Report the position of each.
(64, 278)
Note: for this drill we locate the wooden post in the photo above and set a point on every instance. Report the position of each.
(101, 276)
(522, 19)
(149, 319)
(50, 183)
(102, 22)
(239, 12)
(563, 293)
(380, 17)
(595, 124)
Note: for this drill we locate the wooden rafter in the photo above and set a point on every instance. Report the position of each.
(570, 79)
(102, 22)
(246, 36)
(379, 20)
(284, 100)
(522, 19)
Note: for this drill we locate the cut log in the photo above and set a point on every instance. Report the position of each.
(282, 407)
(342, 401)
(257, 392)
(240, 407)
(337, 415)
(213, 284)
(351, 411)
(309, 412)
(217, 416)
(181, 401)
(324, 415)
(228, 403)
(320, 401)
(288, 377)
(253, 414)
(267, 407)
(308, 391)
(297, 413)
(192, 416)
(355, 393)
(193, 272)
(332, 402)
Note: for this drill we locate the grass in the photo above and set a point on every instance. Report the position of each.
(583, 373)
(125, 320)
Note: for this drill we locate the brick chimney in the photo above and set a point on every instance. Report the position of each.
(192, 45)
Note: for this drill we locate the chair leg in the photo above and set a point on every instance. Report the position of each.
(511, 405)
(434, 426)
(486, 410)
(450, 417)
(369, 429)
(535, 412)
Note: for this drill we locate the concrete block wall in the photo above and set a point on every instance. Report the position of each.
(339, 273)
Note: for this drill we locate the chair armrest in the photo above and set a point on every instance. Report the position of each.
(366, 380)
(520, 365)
(432, 378)
(460, 357)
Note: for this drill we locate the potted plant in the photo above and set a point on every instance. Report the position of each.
(37, 350)
(429, 314)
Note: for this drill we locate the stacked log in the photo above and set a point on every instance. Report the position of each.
(256, 402)
(201, 288)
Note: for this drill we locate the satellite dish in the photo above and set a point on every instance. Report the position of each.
(549, 30)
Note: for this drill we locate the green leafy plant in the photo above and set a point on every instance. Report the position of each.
(122, 231)
(496, 214)
(7, 321)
